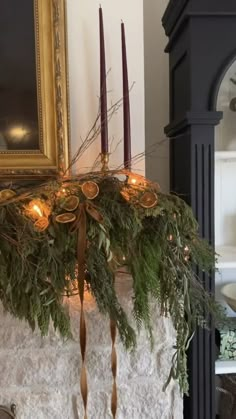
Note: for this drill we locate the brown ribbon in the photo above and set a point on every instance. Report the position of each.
(113, 368)
(81, 225)
(81, 248)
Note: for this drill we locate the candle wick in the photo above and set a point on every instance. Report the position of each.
(122, 21)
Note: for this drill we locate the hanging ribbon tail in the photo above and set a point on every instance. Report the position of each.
(113, 330)
(80, 225)
(83, 376)
(81, 251)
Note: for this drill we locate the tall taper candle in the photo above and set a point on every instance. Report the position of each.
(126, 103)
(103, 88)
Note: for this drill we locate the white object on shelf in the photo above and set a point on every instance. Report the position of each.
(225, 367)
(229, 294)
(225, 155)
(227, 257)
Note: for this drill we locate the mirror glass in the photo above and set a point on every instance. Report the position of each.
(19, 128)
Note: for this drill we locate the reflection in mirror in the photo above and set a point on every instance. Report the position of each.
(19, 128)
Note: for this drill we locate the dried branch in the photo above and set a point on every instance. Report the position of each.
(95, 130)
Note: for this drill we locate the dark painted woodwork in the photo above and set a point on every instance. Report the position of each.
(201, 47)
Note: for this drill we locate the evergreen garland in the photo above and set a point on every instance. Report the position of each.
(158, 243)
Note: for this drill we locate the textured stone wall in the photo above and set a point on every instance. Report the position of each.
(41, 375)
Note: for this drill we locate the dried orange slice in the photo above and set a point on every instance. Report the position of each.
(6, 194)
(148, 200)
(90, 189)
(41, 224)
(65, 218)
(71, 203)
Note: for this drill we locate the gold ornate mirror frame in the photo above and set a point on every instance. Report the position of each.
(52, 156)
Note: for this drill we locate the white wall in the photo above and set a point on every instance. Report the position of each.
(83, 32)
(156, 92)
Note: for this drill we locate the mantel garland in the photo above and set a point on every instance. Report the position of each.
(104, 221)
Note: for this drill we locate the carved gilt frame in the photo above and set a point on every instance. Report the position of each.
(52, 158)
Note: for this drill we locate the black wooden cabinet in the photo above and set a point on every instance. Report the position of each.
(201, 47)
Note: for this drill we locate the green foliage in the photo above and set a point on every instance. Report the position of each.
(162, 250)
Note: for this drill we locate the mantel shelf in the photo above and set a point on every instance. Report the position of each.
(225, 155)
(225, 367)
(227, 258)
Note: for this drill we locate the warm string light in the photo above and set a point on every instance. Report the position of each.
(134, 185)
(133, 181)
(186, 253)
(62, 193)
(136, 180)
(186, 248)
(72, 285)
(37, 210)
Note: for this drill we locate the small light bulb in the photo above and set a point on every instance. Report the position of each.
(38, 210)
(123, 258)
(186, 249)
(61, 193)
(170, 238)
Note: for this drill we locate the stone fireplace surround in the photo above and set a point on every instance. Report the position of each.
(41, 375)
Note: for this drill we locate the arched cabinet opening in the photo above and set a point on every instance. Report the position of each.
(225, 172)
(225, 224)
(225, 139)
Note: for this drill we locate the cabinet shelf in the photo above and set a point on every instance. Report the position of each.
(225, 367)
(225, 155)
(227, 257)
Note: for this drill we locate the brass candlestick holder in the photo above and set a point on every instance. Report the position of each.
(105, 161)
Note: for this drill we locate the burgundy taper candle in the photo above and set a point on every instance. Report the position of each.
(126, 103)
(103, 88)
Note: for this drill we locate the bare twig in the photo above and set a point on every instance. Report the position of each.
(148, 152)
(95, 131)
